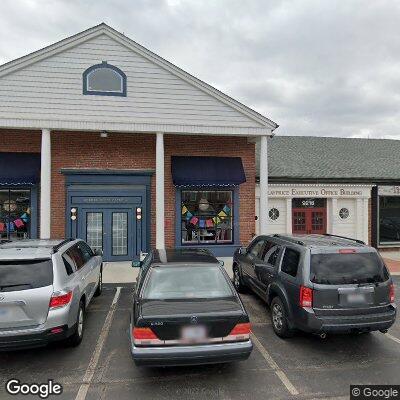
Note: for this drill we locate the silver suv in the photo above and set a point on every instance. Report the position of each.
(45, 288)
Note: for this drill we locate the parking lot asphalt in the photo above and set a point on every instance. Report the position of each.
(303, 367)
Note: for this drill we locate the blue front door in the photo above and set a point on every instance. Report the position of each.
(111, 230)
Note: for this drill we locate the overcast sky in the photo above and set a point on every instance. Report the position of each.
(327, 68)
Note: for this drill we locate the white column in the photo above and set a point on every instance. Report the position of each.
(45, 185)
(264, 185)
(333, 216)
(365, 221)
(289, 227)
(360, 219)
(160, 217)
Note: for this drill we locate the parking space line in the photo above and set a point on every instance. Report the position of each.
(90, 370)
(280, 374)
(394, 338)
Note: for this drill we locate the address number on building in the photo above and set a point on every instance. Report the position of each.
(308, 203)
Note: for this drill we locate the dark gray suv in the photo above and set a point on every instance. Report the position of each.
(318, 283)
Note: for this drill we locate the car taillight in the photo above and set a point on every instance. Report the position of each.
(391, 293)
(145, 337)
(346, 251)
(60, 299)
(306, 297)
(240, 332)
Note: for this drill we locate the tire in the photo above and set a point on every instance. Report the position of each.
(99, 288)
(237, 281)
(279, 319)
(76, 338)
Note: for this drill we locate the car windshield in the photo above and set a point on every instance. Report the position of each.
(188, 282)
(25, 274)
(347, 268)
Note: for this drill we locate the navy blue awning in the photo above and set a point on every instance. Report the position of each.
(207, 171)
(19, 168)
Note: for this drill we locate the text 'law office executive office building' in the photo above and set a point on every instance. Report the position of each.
(102, 139)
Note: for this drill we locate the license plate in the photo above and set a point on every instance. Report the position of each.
(356, 298)
(196, 333)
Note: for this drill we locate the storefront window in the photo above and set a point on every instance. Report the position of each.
(207, 217)
(389, 219)
(15, 213)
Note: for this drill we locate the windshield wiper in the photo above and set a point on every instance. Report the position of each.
(11, 286)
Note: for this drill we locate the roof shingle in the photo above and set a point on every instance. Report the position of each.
(328, 158)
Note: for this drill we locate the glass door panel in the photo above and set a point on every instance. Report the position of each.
(119, 233)
(317, 222)
(299, 222)
(94, 230)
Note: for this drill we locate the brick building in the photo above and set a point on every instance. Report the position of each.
(342, 186)
(104, 140)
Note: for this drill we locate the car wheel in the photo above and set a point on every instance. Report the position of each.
(99, 285)
(279, 319)
(237, 280)
(76, 338)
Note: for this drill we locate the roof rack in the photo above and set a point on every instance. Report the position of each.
(290, 239)
(345, 237)
(61, 244)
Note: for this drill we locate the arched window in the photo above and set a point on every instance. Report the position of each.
(104, 80)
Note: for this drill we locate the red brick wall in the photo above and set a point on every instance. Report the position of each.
(89, 150)
(15, 141)
(134, 151)
(126, 151)
(216, 146)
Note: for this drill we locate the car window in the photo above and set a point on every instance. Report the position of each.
(25, 274)
(347, 268)
(143, 270)
(272, 255)
(77, 256)
(86, 251)
(256, 248)
(266, 249)
(290, 262)
(68, 261)
(186, 282)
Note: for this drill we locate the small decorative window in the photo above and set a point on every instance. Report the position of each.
(105, 80)
(273, 214)
(344, 213)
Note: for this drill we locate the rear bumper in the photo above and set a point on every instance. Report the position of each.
(191, 355)
(31, 340)
(348, 323)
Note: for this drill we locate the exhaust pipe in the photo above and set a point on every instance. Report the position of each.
(322, 335)
(383, 330)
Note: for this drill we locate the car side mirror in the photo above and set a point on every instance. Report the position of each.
(243, 251)
(98, 252)
(136, 264)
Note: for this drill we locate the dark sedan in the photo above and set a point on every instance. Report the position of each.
(186, 312)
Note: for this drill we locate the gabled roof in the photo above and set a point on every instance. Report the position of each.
(104, 29)
(301, 158)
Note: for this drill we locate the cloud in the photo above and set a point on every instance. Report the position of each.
(315, 67)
